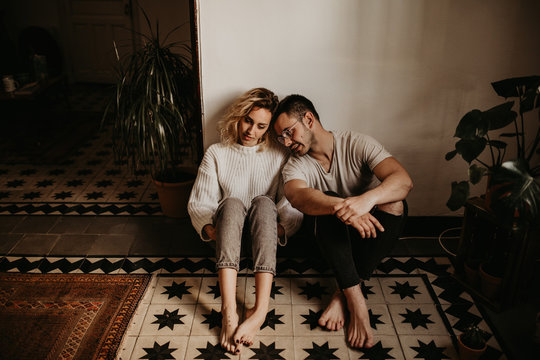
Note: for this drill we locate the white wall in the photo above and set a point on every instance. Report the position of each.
(402, 71)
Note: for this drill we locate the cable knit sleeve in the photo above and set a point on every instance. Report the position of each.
(205, 195)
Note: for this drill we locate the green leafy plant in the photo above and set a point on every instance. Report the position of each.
(153, 125)
(515, 182)
(474, 337)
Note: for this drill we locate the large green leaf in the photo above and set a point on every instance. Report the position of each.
(511, 87)
(450, 155)
(459, 195)
(471, 125)
(470, 149)
(499, 116)
(515, 188)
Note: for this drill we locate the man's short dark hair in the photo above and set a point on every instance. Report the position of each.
(294, 106)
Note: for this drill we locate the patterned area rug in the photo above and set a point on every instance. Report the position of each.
(66, 316)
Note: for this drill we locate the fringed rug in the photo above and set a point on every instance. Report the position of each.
(66, 316)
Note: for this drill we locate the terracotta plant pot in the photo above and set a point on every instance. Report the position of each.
(173, 197)
(490, 285)
(467, 353)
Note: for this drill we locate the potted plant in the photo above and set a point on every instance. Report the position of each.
(513, 185)
(472, 343)
(153, 124)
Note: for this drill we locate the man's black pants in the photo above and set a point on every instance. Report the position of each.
(351, 257)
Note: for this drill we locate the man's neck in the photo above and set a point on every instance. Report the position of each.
(322, 148)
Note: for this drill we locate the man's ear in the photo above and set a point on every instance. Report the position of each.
(309, 119)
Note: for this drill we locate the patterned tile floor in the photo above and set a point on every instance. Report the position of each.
(416, 309)
(86, 182)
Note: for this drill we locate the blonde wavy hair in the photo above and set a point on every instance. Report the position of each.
(240, 108)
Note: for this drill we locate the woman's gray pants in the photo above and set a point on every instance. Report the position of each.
(258, 223)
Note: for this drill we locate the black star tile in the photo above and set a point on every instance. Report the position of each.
(271, 320)
(312, 319)
(4, 194)
(213, 319)
(84, 172)
(134, 183)
(313, 290)
(211, 352)
(366, 289)
(31, 195)
(15, 183)
(178, 290)
(265, 352)
(104, 183)
(94, 195)
(416, 318)
(429, 351)
(112, 172)
(74, 183)
(168, 319)
(44, 183)
(159, 352)
(56, 172)
(374, 319)
(376, 352)
(214, 290)
(28, 172)
(322, 352)
(126, 195)
(404, 290)
(63, 195)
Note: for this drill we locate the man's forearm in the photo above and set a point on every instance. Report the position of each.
(313, 202)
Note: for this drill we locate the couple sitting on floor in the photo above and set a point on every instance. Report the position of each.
(250, 191)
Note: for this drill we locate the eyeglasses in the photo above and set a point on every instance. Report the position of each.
(287, 133)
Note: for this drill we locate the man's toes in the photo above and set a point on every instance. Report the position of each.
(322, 322)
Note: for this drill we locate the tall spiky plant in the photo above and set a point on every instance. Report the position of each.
(153, 109)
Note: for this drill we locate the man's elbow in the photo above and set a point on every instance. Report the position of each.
(408, 185)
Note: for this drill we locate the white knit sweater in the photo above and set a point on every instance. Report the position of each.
(242, 172)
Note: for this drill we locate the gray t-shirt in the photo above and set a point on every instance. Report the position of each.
(351, 170)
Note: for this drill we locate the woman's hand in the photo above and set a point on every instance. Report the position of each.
(210, 231)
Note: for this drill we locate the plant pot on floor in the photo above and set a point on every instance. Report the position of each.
(174, 192)
(472, 275)
(469, 353)
(490, 280)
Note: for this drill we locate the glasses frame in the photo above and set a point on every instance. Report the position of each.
(287, 133)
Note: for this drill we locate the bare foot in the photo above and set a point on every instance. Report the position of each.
(249, 328)
(229, 324)
(359, 333)
(333, 316)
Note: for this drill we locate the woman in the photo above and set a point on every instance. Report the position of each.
(233, 201)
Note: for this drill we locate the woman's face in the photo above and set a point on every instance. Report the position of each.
(252, 127)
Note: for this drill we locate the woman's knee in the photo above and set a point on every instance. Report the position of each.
(232, 204)
(263, 203)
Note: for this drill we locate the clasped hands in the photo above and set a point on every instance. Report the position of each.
(355, 211)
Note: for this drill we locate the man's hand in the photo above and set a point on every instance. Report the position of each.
(210, 231)
(366, 225)
(354, 211)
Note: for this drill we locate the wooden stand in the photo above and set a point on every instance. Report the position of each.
(483, 239)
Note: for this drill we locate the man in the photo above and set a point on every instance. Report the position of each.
(352, 190)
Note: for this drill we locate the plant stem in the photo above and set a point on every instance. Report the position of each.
(535, 144)
(483, 163)
(491, 151)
